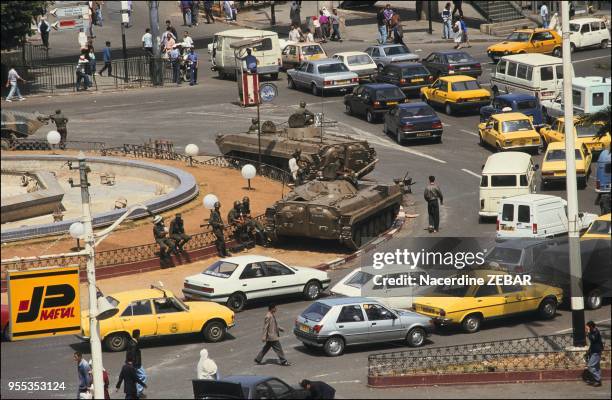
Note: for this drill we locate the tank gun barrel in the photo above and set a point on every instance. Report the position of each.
(362, 170)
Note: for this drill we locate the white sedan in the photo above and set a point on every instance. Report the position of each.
(358, 62)
(234, 280)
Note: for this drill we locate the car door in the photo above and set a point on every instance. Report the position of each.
(376, 55)
(351, 323)
(282, 279)
(171, 317)
(543, 42)
(431, 65)
(355, 98)
(280, 390)
(289, 56)
(383, 74)
(254, 282)
(586, 35)
(139, 315)
(391, 120)
(515, 300)
(383, 324)
(488, 134)
(441, 94)
(489, 301)
(361, 103)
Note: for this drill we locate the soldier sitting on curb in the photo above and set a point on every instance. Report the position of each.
(166, 245)
(254, 228)
(177, 232)
(235, 218)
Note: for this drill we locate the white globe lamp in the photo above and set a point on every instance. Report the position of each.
(77, 230)
(210, 200)
(191, 150)
(248, 172)
(53, 138)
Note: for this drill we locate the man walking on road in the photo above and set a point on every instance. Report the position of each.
(544, 15)
(382, 26)
(271, 335)
(594, 354)
(106, 55)
(83, 370)
(208, 11)
(432, 195)
(13, 77)
(133, 352)
(129, 377)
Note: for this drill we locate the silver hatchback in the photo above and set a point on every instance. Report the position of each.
(333, 324)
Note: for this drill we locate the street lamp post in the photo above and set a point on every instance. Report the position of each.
(191, 150)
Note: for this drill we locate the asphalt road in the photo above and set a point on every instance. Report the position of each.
(196, 115)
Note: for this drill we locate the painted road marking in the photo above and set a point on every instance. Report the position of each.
(569, 329)
(590, 59)
(468, 132)
(467, 171)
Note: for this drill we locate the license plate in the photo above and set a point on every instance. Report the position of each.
(391, 103)
(521, 142)
(304, 328)
(342, 82)
(559, 173)
(464, 68)
(507, 228)
(417, 80)
(423, 134)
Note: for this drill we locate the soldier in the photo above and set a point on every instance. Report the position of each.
(166, 245)
(216, 222)
(177, 232)
(60, 123)
(254, 128)
(253, 226)
(301, 118)
(235, 218)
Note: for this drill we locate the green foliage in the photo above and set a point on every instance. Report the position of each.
(600, 117)
(16, 18)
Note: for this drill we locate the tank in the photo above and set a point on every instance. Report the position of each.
(278, 147)
(19, 125)
(339, 210)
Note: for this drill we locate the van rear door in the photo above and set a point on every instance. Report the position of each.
(507, 224)
(524, 226)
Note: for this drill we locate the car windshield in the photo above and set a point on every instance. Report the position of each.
(587, 130)
(361, 59)
(574, 27)
(415, 112)
(312, 50)
(516, 126)
(504, 255)
(332, 68)
(221, 269)
(600, 227)
(556, 155)
(414, 70)
(451, 290)
(465, 85)
(519, 37)
(316, 311)
(389, 93)
(526, 104)
(359, 279)
(396, 50)
(456, 58)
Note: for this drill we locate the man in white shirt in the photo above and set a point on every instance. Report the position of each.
(294, 34)
(544, 15)
(309, 36)
(147, 42)
(187, 40)
(13, 77)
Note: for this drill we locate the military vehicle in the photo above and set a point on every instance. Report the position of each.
(18, 125)
(343, 210)
(278, 147)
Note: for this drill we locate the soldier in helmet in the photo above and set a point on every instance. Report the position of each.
(216, 223)
(253, 227)
(302, 117)
(61, 123)
(235, 218)
(160, 233)
(254, 128)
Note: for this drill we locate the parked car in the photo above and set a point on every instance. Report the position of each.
(554, 165)
(603, 176)
(585, 134)
(590, 94)
(235, 280)
(518, 256)
(456, 92)
(333, 324)
(452, 62)
(409, 77)
(539, 40)
(373, 100)
(358, 62)
(518, 102)
(158, 312)
(247, 387)
(4, 321)
(322, 76)
(384, 54)
(588, 32)
(413, 121)
(601, 228)
(293, 54)
(469, 305)
(509, 131)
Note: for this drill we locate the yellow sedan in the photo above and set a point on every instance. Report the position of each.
(469, 304)
(601, 228)
(509, 131)
(554, 164)
(584, 134)
(456, 92)
(157, 312)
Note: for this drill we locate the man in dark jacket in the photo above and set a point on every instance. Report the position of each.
(594, 354)
(432, 195)
(129, 376)
(133, 352)
(177, 232)
(166, 245)
(318, 389)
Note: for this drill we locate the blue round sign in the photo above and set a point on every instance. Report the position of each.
(267, 92)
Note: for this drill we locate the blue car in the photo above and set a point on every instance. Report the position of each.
(247, 387)
(518, 102)
(602, 180)
(413, 121)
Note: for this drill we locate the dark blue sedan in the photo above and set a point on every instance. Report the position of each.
(413, 121)
(247, 387)
(518, 102)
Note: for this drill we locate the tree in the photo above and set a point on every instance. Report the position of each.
(601, 117)
(16, 20)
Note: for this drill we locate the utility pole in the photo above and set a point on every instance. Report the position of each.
(155, 66)
(125, 19)
(571, 185)
(272, 14)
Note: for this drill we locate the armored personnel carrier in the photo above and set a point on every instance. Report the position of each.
(343, 210)
(278, 147)
(17, 125)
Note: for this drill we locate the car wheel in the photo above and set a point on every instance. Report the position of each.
(370, 117)
(236, 302)
(290, 83)
(349, 109)
(556, 52)
(604, 44)
(572, 48)
(312, 290)
(398, 136)
(471, 323)
(416, 337)
(214, 331)
(547, 309)
(116, 342)
(334, 346)
(594, 299)
(274, 76)
(448, 110)
(438, 139)
(314, 90)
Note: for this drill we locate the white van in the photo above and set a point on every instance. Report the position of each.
(536, 216)
(529, 73)
(504, 175)
(588, 32)
(268, 53)
(590, 94)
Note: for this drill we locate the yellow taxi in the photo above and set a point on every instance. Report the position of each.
(554, 168)
(586, 134)
(456, 92)
(539, 40)
(509, 131)
(295, 53)
(158, 312)
(601, 228)
(496, 295)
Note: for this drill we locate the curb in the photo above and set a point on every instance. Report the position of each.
(480, 378)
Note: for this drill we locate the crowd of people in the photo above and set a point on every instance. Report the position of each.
(325, 26)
